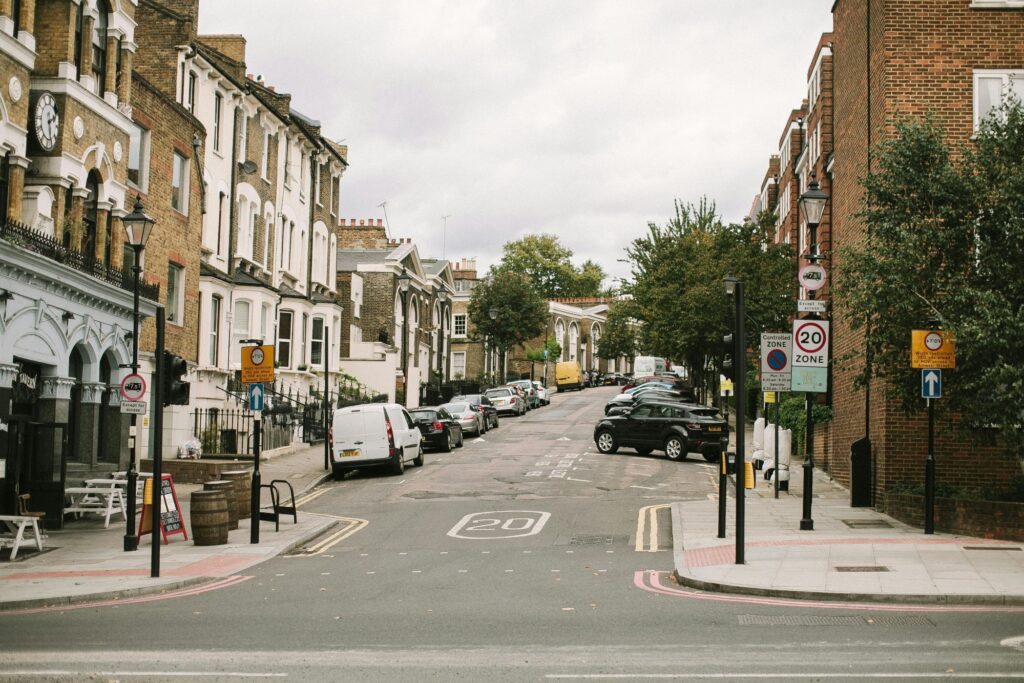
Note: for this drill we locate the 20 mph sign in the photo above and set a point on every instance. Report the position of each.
(810, 343)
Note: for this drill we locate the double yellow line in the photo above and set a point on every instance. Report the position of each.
(647, 531)
(350, 525)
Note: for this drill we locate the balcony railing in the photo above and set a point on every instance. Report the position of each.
(44, 245)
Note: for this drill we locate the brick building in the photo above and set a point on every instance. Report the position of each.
(885, 60)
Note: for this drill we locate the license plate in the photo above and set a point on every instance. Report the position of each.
(714, 429)
(352, 453)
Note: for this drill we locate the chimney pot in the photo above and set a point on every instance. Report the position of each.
(362, 222)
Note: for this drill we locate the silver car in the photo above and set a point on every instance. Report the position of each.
(470, 420)
(542, 393)
(507, 401)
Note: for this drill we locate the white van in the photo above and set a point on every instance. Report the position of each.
(371, 435)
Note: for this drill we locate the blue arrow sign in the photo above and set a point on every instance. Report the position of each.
(256, 397)
(931, 383)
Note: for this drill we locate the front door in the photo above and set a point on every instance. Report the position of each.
(41, 449)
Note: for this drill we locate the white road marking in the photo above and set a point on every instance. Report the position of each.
(1016, 643)
(646, 488)
(499, 524)
(146, 674)
(585, 481)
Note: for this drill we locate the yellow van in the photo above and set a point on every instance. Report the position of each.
(568, 376)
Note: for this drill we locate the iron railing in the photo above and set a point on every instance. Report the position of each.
(40, 243)
(229, 432)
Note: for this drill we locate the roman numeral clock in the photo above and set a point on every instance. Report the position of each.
(47, 121)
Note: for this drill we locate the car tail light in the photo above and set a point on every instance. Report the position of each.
(693, 425)
(391, 434)
(330, 440)
(438, 426)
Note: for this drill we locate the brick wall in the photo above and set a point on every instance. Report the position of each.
(362, 234)
(379, 291)
(898, 58)
(984, 519)
(163, 25)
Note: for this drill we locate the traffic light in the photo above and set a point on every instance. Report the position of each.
(728, 367)
(174, 392)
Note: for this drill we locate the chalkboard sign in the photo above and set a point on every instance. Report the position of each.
(171, 521)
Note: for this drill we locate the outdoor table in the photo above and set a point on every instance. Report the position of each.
(99, 496)
(15, 535)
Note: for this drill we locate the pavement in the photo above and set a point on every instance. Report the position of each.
(86, 563)
(852, 554)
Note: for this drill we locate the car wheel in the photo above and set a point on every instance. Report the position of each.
(495, 425)
(606, 442)
(675, 448)
(449, 442)
(418, 460)
(462, 439)
(398, 468)
(644, 451)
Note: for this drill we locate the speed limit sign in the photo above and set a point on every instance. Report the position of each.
(810, 343)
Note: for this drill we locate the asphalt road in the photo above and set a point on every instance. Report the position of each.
(526, 555)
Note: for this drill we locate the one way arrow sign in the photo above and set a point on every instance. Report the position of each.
(256, 397)
(931, 383)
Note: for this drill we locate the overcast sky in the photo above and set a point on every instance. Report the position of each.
(584, 118)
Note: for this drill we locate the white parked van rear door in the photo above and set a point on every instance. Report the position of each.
(359, 434)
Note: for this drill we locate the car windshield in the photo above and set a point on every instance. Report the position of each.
(456, 407)
(467, 398)
(704, 412)
(498, 393)
(423, 414)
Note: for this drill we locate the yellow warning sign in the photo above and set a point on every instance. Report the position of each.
(932, 349)
(769, 397)
(257, 364)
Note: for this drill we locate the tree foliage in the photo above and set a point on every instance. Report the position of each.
(549, 267)
(521, 313)
(620, 330)
(677, 284)
(945, 242)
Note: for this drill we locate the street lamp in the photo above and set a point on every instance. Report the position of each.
(404, 281)
(442, 299)
(812, 207)
(734, 288)
(493, 313)
(137, 227)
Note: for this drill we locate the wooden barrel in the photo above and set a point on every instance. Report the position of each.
(228, 487)
(209, 518)
(243, 490)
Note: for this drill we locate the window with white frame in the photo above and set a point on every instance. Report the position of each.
(218, 107)
(458, 365)
(316, 342)
(213, 354)
(265, 159)
(316, 185)
(992, 87)
(175, 293)
(243, 137)
(190, 92)
(138, 157)
(179, 184)
(284, 339)
(459, 325)
(265, 321)
(240, 325)
(287, 161)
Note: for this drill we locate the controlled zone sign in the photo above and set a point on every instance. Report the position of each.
(776, 353)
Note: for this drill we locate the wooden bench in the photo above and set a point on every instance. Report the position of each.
(15, 535)
(98, 496)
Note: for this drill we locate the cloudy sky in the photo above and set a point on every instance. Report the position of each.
(581, 118)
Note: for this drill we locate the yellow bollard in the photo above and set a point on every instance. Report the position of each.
(748, 476)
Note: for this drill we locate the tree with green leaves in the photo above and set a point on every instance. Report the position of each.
(618, 339)
(519, 312)
(549, 266)
(945, 244)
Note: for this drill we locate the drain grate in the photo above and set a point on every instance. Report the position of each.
(831, 620)
(597, 540)
(867, 523)
(990, 547)
(862, 568)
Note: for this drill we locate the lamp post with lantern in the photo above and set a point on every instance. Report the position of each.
(404, 282)
(812, 207)
(137, 227)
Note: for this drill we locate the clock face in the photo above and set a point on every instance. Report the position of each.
(47, 121)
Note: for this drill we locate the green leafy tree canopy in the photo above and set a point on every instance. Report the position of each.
(549, 267)
(520, 312)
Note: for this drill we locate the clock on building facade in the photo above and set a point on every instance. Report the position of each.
(47, 121)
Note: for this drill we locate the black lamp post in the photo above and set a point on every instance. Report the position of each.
(734, 288)
(493, 313)
(812, 206)
(404, 281)
(137, 227)
(442, 299)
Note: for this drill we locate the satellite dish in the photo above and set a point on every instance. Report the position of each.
(249, 166)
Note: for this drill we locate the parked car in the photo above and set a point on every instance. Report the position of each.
(620, 408)
(374, 434)
(533, 400)
(623, 400)
(507, 401)
(670, 427)
(471, 420)
(483, 405)
(542, 393)
(438, 427)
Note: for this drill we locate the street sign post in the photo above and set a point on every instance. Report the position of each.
(776, 354)
(258, 364)
(134, 407)
(810, 356)
(811, 306)
(812, 277)
(133, 387)
(932, 349)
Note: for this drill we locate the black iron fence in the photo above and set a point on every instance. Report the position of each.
(229, 432)
(37, 242)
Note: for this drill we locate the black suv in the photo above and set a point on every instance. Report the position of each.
(677, 429)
